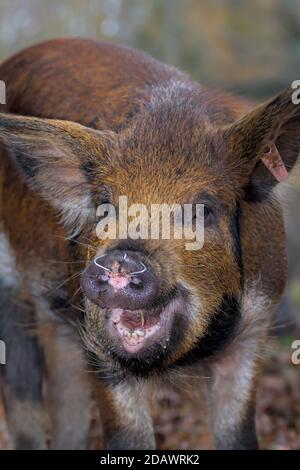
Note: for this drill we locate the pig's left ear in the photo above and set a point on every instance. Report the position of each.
(264, 145)
(55, 157)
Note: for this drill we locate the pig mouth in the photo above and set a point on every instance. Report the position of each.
(138, 329)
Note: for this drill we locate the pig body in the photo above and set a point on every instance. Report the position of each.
(84, 123)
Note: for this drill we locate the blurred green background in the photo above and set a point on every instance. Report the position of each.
(251, 47)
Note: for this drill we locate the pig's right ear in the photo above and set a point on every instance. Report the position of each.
(56, 157)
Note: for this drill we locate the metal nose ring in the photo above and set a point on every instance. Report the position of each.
(141, 271)
(96, 262)
(100, 265)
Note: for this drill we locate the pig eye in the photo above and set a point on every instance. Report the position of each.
(208, 213)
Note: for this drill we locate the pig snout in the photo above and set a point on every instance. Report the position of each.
(118, 279)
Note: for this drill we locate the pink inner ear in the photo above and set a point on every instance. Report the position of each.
(274, 163)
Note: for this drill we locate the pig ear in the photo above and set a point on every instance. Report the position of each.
(264, 145)
(55, 157)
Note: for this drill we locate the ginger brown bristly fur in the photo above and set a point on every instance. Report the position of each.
(87, 122)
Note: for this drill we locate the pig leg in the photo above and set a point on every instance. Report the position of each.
(234, 374)
(232, 403)
(125, 415)
(232, 392)
(68, 387)
(22, 375)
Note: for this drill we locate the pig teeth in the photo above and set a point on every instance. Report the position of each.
(136, 334)
(140, 332)
(142, 319)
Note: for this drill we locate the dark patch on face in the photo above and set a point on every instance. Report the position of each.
(221, 330)
(235, 231)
